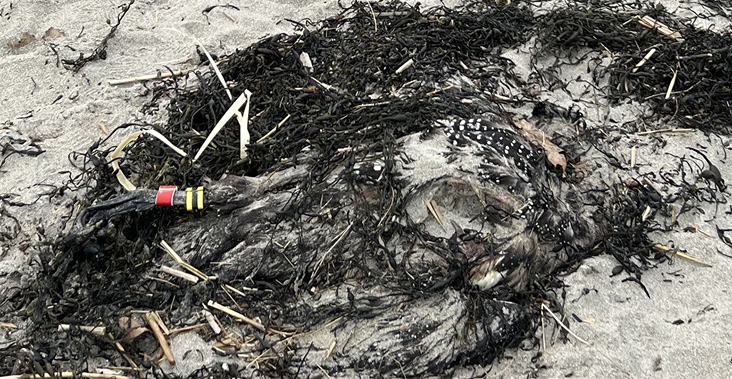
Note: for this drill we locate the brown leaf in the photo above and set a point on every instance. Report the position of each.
(554, 153)
(133, 326)
(129, 322)
(134, 333)
(25, 39)
(53, 33)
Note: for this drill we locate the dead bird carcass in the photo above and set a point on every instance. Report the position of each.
(390, 255)
(379, 229)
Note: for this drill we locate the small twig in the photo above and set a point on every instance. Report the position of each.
(330, 349)
(255, 361)
(237, 315)
(393, 14)
(644, 60)
(671, 85)
(236, 291)
(214, 67)
(674, 130)
(332, 246)
(144, 78)
(324, 85)
(699, 230)
(274, 130)
(687, 256)
(185, 329)
(233, 109)
(651, 23)
(99, 331)
(501, 97)
(646, 213)
(633, 156)
(561, 324)
(133, 365)
(703, 55)
(151, 320)
(161, 280)
(434, 92)
(432, 207)
(229, 17)
(183, 263)
(404, 66)
(383, 102)
(244, 126)
(324, 372)
(653, 187)
(161, 324)
(179, 274)
(376, 28)
(212, 322)
(388, 210)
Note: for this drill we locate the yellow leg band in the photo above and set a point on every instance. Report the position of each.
(200, 197)
(189, 199)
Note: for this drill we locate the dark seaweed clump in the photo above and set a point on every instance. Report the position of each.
(354, 74)
(698, 62)
(701, 69)
(351, 105)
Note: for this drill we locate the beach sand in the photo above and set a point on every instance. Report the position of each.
(683, 330)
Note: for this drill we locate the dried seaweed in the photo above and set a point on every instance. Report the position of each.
(10, 146)
(331, 248)
(345, 51)
(702, 80)
(351, 106)
(99, 52)
(695, 66)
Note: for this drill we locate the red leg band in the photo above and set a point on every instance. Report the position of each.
(165, 196)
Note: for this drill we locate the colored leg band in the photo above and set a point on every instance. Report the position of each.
(189, 199)
(165, 195)
(199, 203)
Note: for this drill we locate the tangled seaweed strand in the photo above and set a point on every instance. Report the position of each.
(721, 7)
(598, 25)
(702, 91)
(699, 64)
(350, 98)
(352, 105)
(628, 241)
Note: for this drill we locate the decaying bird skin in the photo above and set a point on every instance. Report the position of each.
(498, 238)
(469, 207)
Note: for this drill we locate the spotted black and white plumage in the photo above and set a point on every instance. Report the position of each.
(481, 175)
(369, 171)
(511, 164)
(506, 160)
(493, 139)
(510, 161)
